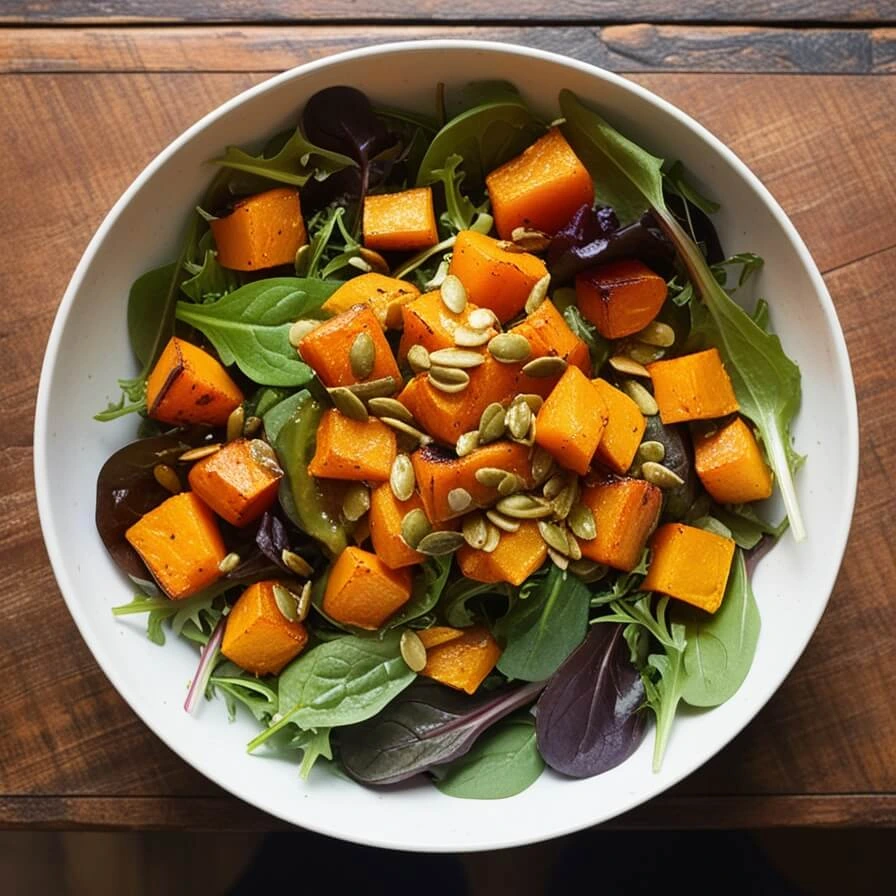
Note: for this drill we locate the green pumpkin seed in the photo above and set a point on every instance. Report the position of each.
(538, 294)
(641, 397)
(547, 366)
(510, 348)
(418, 359)
(167, 478)
(303, 607)
(481, 319)
(657, 333)
(554, 486)
(624, 364)
(563, 503)
(449, 379)
(475, 530)
(574, 552)
(491, 477)
(465, 336)
(493, 539)
(379, 388)
(530, 398)
(235, 423)
(660, 476)
(294, 563)
(198, 453)
(456, 357)
(229, 563)
(587, 570)
(491, 423)
(348, 403)
(523, 507)
(300, 329)
(374, 259)
(302, 260)
(650, 450)
(467, 443)
(553, 536)
(401, 477)
(414, 527)
(390, 407)
(453, 293)
(504, 523)
(437, 544)
(287, 602)
(412, 650)
(581, 521)
(362, 356)
(263, 455)
(644, 354)
(459, 500)
(542, 465)
(558, 559)
(518, 419)
(510, 485)
(356, 502)
(400, 426)
(251, 426)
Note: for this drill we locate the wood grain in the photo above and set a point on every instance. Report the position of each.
(623, 48)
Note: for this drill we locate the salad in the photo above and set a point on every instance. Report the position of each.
(450, 445)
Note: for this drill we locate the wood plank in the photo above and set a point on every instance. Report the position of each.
(623, 48)
(286, 11)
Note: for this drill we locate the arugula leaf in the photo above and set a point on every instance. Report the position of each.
(598, 347)
(258, 696)
(676, 178)
(766, 382)
(501, 764)
(314, 744)
(459, 593)
(250, 326)
(460, 211)
(209, 281)
(429, 582)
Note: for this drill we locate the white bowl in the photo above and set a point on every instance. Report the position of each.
(88, 349)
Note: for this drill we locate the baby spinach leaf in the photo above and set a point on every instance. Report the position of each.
(250, 326)
(147, 309)
(543, 629)
(501, 764)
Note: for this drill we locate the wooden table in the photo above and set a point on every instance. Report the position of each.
(805, 93)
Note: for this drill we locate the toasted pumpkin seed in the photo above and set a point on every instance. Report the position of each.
(656, 333)
(644, 354)
(490, 477)
(356, 502)
(303, 607)
(401, 477)
(530, 240)
(538, 294)
(456, 357)
(374, 259)
(587, 570)
(481, 318)
(414, 527)
(362, 356)
(475, 530)
(348, 403)
(251, 426)
(449, 379)
(400, 426)
(529, 438)
(553, 536)
(491, 423)
(510, 348)
(357, 262)
(167, 478)
(390, 407)
(235, 423)
(624, 364)
(437, 544)
(650, 450)
(517, 419)
(504, 523)
(563, 503)
(438, 278)
(641, 397)
(524, 507)
(510, 246)
(558, 559)
(554, 486)
(378, 388)
(541, 368)
(530, 398)
(465, 336)
(542, 464)
(229, 562)
(453, 293)
(467, 443)
(492, 540)
(287, 602)
(302, 260)
(200, 452)
(412, 650)
(418, 359)
(300, 329)
(510, 485)
(660, 476)
(295, 563)
(263, 455)
(581, 520)
(574, 552)
(459, 500)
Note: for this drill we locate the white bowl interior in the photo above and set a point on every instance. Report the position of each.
(88, 349)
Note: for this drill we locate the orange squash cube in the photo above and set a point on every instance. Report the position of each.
(620, 297)
(326, 348)
(517, 556)
(625, 428)
(352, 449)
(180, 543)
(400, 221)
(385, 296)
(427, 321)
(692, 387)
(386, 515)
(262, 231)
(464, 662)
(730, 464)
(549, 334)
(363, 591)
(689, 564)
(258, 637)
(439, 634)
(625, 513)
(188, 385)
(541, 188)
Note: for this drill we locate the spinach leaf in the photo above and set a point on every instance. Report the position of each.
(544, 628)
(766, 382)
(598, 347)
(590, 716)
(429, 582)
(501, 764)
(250, 326)
(425, 726)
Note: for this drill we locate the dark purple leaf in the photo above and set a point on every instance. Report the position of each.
(755, 554)
(704, 230)
(426, 725)
(590, 718)
(263, 557)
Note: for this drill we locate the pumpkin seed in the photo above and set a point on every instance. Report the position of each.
(362, 356)
(530, 240)
(553, 536)
(581, 521)
(491, 423)
(294, 563)
(167, 478)
(251, 426)
(587, 570)
(401, 477)
(438, 278)
(642, 353)
(657, 474)
(287, 602)
(418, 359)
(414, 527)
(563, 503)
(541, 368)
(481, 318)
(456, 357)
(529, 438)
(453, 293)
(357, 262)
(475, 530)
(554, 486)
(303, 607)
(542, 464)
(558, 559)
(650, 450)
(491, 477)
(641, 397)
(523, 507)
(379, 388)
(302, 260)
(400, 426)
(300, 329)
(470, 338)
(656, 333)
(412, 650)
(229, 563)
(390, 407)
(437, 544)
(459, 500)
(493, 539)
(467, 443)
(624, 364)
(530, 398)
(200, 452)
(348, 403)
(263, 455)
(504, 523)
(538, 294)
(574, 552)
(510, 485)
(518, 419)
(235, 423)
(375, 260)
(361, 530)
(449, 379)
(510, 246)
(510, 348)
(356, 502)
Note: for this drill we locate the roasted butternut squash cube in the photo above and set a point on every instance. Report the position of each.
(692, 387)
(362, 591)
(262, 231)
(517, 556)
(689, 564)
(624, 430)
(384, 295)
(180, 543)
(549, 334)
(352, 449)
(620, 297)
(326, 348)
(730, 464)
(540, 188)
(493, 277)
(463, 662)
(188, 385)
(427, 321)
(386, 515)
(439, 634)
(625, 513)
(258, 637)
(400, 221)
